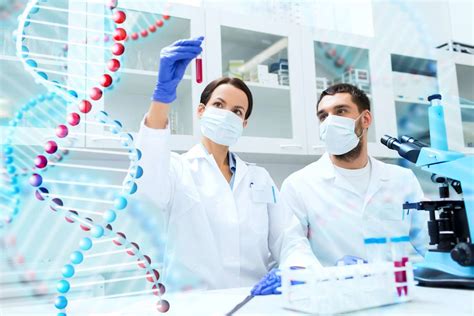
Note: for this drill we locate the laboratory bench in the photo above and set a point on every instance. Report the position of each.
(426, 301)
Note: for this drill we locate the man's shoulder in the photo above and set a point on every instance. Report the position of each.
(309, 173)
(393, 171)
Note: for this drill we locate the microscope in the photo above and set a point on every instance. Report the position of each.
(450, 260)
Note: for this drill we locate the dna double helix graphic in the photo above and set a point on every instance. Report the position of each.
(81, 77)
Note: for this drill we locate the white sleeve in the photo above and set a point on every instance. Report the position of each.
(418, 226)
(290, 199)
(158, 181)
(287, 241)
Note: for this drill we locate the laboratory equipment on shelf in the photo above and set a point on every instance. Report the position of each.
(450, 259)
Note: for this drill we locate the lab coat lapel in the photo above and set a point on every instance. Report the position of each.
(240, 172)
(378, 176)
(330, 172)
(197, 151)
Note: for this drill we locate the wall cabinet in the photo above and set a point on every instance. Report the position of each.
(286, 66)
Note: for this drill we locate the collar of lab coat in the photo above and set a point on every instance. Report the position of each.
(199, 152)
(378, 175)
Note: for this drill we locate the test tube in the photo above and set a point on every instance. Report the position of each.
(400, 258)
(376, 249)
(199, 69)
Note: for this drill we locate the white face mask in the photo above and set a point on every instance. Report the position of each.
(221, 126)
(338, 133)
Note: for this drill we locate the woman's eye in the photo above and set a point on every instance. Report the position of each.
(238, 112)
(217, 104)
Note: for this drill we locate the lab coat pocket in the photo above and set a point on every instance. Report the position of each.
(388, 212)
(257, 220)
(263, 194)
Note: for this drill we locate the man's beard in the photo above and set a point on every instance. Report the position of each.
(353, 154)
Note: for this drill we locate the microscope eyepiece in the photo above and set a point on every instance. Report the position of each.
(390, 142)
(407, 147)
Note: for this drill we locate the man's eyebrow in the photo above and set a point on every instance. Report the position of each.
(340, 106)
(336, 107)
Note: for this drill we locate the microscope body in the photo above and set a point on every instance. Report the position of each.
(450, 259)
(453, 259)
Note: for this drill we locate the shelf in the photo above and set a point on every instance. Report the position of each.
(411, 101)
(150, 73)
(414, 65)
(260, 85)
(271, 115)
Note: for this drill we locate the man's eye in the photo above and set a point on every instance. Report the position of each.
(341, 111)
(322, 118)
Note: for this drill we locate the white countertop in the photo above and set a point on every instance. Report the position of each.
(426, 301)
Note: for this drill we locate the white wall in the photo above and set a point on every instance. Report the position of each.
(462, 20)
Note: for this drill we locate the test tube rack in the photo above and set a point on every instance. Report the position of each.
(341, 289)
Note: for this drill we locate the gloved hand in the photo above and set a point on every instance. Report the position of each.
(271, 282)
(173, 62)
(268, 284)
(349, 260)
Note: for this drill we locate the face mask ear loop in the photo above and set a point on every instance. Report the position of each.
(363, 130)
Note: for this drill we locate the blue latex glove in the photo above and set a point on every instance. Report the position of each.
(268, 284)
(173, 62)
(350, 260)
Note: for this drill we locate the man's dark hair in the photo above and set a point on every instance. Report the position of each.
(358, 96)
(236, 82)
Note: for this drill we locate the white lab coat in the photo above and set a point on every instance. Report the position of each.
(225, 237)
(336, 218)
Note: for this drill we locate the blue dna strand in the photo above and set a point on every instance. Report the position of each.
(25, 134)
(9, 198)
(89, 61)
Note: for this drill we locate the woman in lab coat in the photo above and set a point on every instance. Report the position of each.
(221, 214)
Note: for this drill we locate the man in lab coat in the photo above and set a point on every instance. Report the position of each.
(347, 196)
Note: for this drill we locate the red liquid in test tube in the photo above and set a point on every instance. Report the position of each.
(199, 69)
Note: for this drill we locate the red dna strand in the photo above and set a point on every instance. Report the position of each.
(75, 77)
(140, 24)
